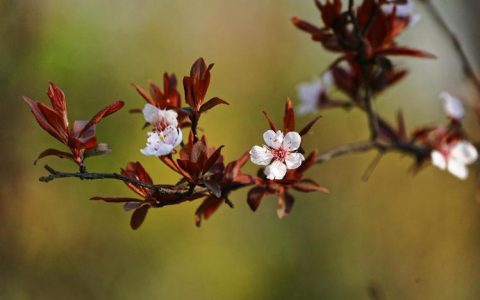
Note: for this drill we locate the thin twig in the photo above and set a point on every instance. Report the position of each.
(161, 189)
(466, 64)
(405, 148)
(346, 149)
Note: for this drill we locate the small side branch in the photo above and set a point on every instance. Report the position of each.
(346, 149)
(405, 148)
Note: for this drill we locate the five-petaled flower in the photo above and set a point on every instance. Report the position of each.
(169, 98)
(455, 158)
(279, 154)
(80, 137)
(451, 150)
(294, 180)
(165, 135)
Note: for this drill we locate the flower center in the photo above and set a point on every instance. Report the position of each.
(279, 154)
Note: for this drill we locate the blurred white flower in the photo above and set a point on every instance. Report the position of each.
(404, 11)
(279, 153)
(309, 93)
(165, 135)
(456, 158)
(452, 106)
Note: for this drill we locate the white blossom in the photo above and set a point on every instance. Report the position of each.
(160, 118)
(309, 93)
(456, 158)
(452, 106)
(279, 153)
(165, 135)
(405, 11)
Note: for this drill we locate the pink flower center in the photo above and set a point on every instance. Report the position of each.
(279, 154)
(161, 125)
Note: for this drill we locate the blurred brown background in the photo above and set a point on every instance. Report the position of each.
(412, 237)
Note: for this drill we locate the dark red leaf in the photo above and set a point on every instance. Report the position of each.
(138, 216)
(212, 159)
(288, 117)
(309, 126)
(309, 185)
(144, 94)
(207, 208)
(212, 103)
(42, 120)
(407, 52)
(270, 122)
(57, 98)
(255, 196)
(108, 110)
(116, 199)
(316, 33)
(402, 131)
(136, 171)
(54, 152)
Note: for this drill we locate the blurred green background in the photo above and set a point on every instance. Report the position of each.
(411, 237)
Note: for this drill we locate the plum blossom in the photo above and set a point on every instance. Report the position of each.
(310, 93)
(452, 106)
(279, 153)
(403, 11)
(455, 158)
(166, 135)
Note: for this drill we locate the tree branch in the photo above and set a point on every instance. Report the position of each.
(363, 61)
(161, 189)
(345, 149)
(361, 147)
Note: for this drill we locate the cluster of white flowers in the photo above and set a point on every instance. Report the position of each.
(166, 135)
(309, 93)
(279, 153)
(456, 156)
(405, 10)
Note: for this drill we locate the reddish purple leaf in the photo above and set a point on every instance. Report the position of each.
(54, 152)
(138, 217)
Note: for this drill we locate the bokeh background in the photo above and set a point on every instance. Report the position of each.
(410, 237)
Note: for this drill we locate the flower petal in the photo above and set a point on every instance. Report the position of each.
(292, 141)
(156, 145)
(275, 170)
(309, 92)
(273, 139)
(260, 155)
(464, 152)
(160, 118)
(170, 135)
(452, 106)
(438, 160)
(402, 10)
(178, 141)
(294, 160)
(457, 169)
(150, 113)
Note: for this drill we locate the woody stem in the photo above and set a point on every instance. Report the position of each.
(361, 147)
(161, 189)
(364, 63)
